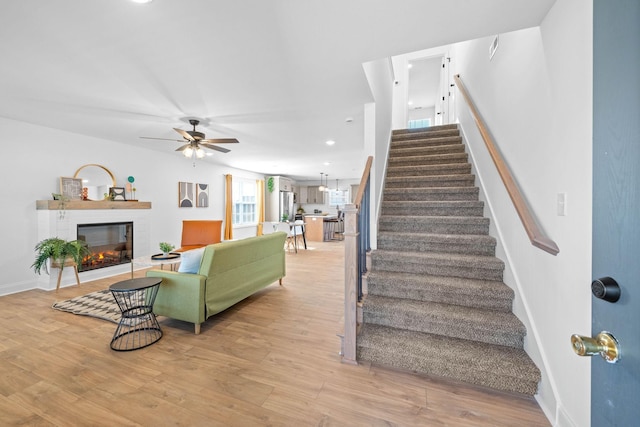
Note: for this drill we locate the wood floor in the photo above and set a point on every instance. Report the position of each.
(270, 360)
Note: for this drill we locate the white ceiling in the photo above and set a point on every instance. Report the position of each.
(281, 76)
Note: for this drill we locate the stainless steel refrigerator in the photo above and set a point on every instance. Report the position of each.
(286, 206)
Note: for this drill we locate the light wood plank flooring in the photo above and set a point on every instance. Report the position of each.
(270, 360)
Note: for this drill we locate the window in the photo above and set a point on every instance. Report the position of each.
(338, 197)
(244, 201)
(420, 123)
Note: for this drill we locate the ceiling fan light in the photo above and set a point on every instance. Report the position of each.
(200, 153)
(187, 152)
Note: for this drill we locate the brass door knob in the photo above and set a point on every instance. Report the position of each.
(604, 344)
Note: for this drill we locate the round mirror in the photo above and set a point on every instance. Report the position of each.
(97, 179)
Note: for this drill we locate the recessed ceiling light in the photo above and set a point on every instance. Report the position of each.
(410, 65)
(326, 163)
(330, 142)
(410, 102)
(349, 119)
(142, 1)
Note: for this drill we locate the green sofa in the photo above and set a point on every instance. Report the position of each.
(229, 272)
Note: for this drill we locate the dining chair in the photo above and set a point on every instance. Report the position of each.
(286, 227)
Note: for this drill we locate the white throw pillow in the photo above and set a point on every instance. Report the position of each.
(191, 261)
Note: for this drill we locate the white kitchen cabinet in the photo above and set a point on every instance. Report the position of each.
(314, 195)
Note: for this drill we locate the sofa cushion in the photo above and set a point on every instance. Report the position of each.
(191, 260)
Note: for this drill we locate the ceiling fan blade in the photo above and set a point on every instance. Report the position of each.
(184, 147)
(184, 134)
(161, 139)
(215, 147)
(220, 141)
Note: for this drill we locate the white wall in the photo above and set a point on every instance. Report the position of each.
(536, 97)
(33, 160)
(380, 77)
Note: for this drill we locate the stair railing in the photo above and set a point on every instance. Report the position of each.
(356, 245)
(536, 236)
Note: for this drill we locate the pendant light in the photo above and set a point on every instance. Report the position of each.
(326, 187)
(321, 187)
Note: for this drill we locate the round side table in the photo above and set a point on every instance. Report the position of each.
(138, 326)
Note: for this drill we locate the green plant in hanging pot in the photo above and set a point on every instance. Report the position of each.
(59, 251)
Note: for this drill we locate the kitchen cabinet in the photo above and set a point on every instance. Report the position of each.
(315, 196)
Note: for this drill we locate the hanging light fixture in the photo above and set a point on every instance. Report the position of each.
(326, 187)
(321, 187)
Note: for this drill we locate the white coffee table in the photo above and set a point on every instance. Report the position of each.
(172, 260)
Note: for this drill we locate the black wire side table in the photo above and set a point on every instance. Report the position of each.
(138, 326)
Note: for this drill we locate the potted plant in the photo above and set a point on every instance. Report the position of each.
(59, 251)
(166, 248)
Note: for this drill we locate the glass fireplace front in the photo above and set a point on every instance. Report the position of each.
(109, 244)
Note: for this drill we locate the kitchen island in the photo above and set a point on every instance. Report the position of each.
(318, 227)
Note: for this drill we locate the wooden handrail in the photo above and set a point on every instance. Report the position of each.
(536, 236)
(363, 181)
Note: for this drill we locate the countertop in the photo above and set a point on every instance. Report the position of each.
(320, 216)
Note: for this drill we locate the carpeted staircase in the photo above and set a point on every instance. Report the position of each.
(436, 302)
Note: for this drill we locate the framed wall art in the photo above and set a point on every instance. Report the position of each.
(117, 193)
(185, 194)
(202, 195)
(71, 188)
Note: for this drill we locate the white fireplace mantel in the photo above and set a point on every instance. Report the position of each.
(63, 223)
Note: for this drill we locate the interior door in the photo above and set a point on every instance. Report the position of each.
(615, 388)
(442, 107)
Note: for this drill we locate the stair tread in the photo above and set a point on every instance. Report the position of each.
(429, 141)
(429, 157)
(444, 259)
(460, 285)
(433, 203)
(423, 168)
(499, 367)
(468, 292)
(426, 150)
(485, 319)
(410, 181)
(430, 190)
(436, 218)
(483, 261)
(440, 238)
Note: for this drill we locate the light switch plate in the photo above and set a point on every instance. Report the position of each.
(562, 204)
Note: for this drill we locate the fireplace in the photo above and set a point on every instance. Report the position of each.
(109, 244)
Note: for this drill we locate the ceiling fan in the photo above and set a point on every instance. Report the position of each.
(196, 140)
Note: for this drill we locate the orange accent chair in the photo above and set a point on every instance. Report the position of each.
(199, 233)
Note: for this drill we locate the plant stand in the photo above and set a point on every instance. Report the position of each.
(67, 263)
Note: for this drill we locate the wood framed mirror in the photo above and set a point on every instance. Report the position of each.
(96, 179)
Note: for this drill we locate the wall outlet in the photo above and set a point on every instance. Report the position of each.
(562, 204)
